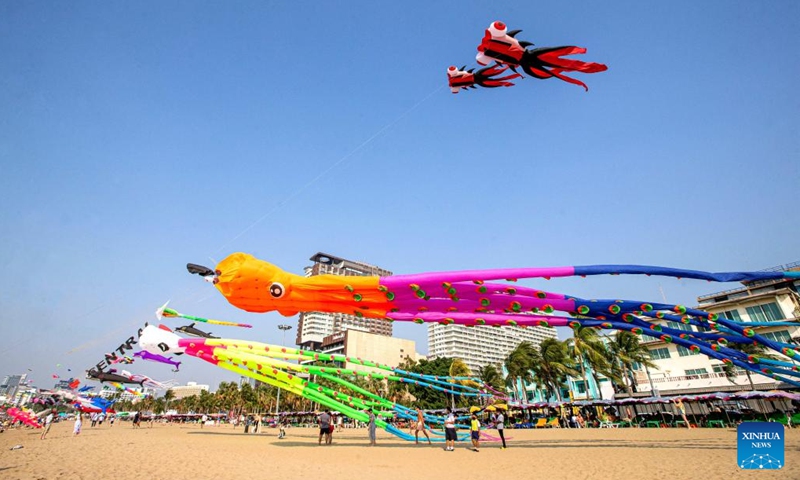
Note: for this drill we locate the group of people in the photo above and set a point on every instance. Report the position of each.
(96, 419)
(326, 428)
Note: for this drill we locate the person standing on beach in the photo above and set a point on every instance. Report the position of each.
(78, 423)
(371, 427)
(499, 424)
(450, 431)
(136, 418)
(682, 410)
(324, 427)
(48, 422)
(420, 427)
(475, 432)
(203, 421)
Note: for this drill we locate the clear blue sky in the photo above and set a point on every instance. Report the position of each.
(135, 138)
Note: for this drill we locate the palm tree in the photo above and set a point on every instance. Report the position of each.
(230, 397)
(750, 349)
(552, 365)
(459, 369)
(518, 365)
(627, 350)
(168, 395)
(585, 347)
(491, 377)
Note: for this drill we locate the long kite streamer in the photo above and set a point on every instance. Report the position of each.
(271, 364)
(476, 297)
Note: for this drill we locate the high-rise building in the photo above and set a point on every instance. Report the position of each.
(314, 326)
(12, 383)
(481, 345)
(682, 371)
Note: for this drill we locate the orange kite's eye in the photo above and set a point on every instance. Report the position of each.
(276, 290)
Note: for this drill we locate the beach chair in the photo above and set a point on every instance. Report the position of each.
(795, 419)
(553, 423)
(541, 423)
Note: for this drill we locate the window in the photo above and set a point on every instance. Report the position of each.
(731, 315)
(720, 368)
(696, 371)
(685, 352)
(679, 326)
(768, 312)
(659, 353)
(779, 336)
(579, 387)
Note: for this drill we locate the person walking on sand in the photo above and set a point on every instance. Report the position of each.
(76, 430)
(203, 421)
(324, 427)
(450, 436)
(371, 427)
(499, 424)
(475, 432)
(48, 422)
(420, 427)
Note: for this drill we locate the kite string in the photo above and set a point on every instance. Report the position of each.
(331, 167)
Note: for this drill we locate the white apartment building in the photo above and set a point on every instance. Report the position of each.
(191, 388)
(681, 371)
(481, 345)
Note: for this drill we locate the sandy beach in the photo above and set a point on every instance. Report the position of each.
(187, 451)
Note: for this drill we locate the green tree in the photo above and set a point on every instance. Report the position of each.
(459, 369)
(751, 349)
(428, 398)
(248, 397)
(626, 349)
(490, 376)
(399, 391)
(169, 395)
(552, 364)
(519, 365)
(586, 348)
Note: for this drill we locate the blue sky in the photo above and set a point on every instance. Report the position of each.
(135, 138)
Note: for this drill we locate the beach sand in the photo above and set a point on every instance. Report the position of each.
(188, 452)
